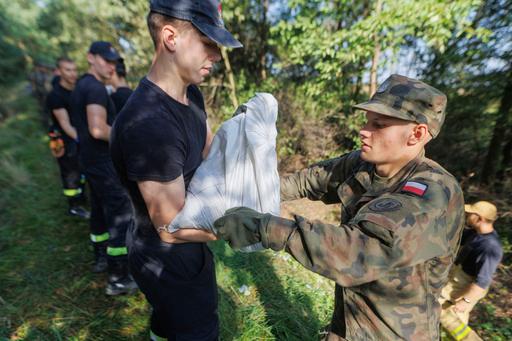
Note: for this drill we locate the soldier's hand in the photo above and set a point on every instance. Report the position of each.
(240, 226)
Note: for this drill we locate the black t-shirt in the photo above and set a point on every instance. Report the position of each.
(157, 138)
(59, 98)
(89, 90)
(479, 255)
(120, 97)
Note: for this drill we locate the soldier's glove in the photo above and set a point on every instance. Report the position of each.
(242, 226)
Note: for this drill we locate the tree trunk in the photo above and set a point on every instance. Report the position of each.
(264, 39)
(231, 77)
(492, 161)
(376, 53)
(506, 164)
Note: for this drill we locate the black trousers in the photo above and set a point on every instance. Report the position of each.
(70, 174)
(111, 210)
(179, 282)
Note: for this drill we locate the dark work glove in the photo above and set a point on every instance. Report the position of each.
(240, 226)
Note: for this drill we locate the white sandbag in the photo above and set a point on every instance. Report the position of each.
(240, 170)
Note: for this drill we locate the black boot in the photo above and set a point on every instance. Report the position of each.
(119, 279)
(76, 209)
(100, 257)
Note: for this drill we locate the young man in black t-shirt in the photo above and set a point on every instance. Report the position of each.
(478, 258)
(61, 131)
(121, 90)
(111, 213)
(158, 141)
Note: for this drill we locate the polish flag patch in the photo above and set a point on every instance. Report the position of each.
(416, 188)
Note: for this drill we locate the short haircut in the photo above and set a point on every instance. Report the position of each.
(63, 60)
(156, 21)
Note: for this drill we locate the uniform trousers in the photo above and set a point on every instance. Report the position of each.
(453, 321)
(70, 174)
(111, 210)
(179, 282)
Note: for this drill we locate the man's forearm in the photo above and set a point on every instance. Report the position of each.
(472, 293)
(101, 133)
(187, 235)
(194, 235)
(70, 131)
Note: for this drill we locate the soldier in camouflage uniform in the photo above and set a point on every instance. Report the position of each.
(401, 220)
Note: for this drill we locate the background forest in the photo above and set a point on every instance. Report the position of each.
(318, 57)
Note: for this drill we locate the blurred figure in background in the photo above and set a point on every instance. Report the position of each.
(40, 79)
(121, 89)
(471, 276)
(63, 136)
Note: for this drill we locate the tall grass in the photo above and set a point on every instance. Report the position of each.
(47, 291)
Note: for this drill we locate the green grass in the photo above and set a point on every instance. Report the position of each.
(47, 291)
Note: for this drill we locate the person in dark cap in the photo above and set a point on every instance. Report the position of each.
(121, 89)
(402, 216)
(471, 276)
(158, 141)
(93, 113)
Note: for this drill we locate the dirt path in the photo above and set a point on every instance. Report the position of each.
(313, 210)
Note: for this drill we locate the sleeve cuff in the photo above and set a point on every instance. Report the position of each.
(276, 232)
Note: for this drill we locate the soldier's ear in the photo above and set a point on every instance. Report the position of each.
(419, 134)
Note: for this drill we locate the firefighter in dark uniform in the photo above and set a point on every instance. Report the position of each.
(63, 136)
(111, 212)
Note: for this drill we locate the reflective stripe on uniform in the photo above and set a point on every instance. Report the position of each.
(461, 331)
(117, 251)
(154, 337)
(98, 238)
(465, 332)
(72, 192)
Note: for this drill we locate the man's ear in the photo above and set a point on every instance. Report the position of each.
(419, 134)
(168, 36)
(90, 58)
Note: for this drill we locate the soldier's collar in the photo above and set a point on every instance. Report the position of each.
(364, 175)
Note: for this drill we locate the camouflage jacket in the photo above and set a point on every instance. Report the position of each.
(391, 255)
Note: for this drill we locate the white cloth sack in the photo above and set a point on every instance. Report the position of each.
(240, 169)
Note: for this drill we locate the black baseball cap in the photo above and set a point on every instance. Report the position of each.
(104, 49)
(205, 15)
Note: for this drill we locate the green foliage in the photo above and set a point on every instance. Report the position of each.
(70, 27)
(473, 71)
(20, 42)
(314, 55)
(324, 43)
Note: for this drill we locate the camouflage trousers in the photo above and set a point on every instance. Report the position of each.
(455, 322)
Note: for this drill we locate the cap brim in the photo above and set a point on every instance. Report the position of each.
(218, 34)
(110, 56)
(383, 109)
(469, 209)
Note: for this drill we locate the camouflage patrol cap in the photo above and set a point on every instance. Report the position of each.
(409, 99)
